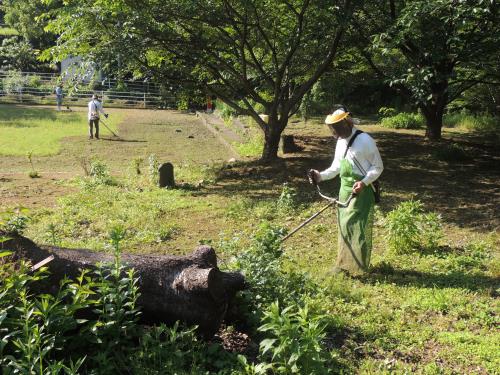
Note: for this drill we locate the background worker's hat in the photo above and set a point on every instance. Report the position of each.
(336, 116)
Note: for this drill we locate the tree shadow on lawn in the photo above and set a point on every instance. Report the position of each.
(466, 193)
(13, 112)
(386, 273)
(257, 181)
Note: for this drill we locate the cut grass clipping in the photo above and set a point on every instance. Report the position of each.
(40, 130)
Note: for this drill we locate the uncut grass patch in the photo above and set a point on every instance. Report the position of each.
(84, 219)
(482, 122)
(40, 130)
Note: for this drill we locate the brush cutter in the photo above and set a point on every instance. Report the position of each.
(112, 132)
(332, 202)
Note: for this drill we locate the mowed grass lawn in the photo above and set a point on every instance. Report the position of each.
(40, 130)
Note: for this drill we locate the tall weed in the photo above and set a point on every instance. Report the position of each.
(263, 265)
(98, 176)
(293, 343)
(154, 174)
(287, 199)
(409, 228)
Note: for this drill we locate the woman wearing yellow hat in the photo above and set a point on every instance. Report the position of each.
(358, 162)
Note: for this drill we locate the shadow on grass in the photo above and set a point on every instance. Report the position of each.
(12, 113)
(466, 192)
(119, 139)
(385, 273)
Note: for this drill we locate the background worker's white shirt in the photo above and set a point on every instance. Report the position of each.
(365, 150)
(95, 107)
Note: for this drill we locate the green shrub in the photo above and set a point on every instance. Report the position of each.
(263, 266)
(404, 120)
(183, 102)
(387, 112)
(451, 152)
(14, 82)
(33, 81)
(409, 228)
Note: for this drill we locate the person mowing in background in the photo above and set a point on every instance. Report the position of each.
(358, 162)
(59, 96)
(95, 107)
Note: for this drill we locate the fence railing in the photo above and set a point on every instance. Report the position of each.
(139, 94)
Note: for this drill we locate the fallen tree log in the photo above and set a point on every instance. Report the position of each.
(187, 288)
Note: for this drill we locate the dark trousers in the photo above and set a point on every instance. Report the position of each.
(93, 123)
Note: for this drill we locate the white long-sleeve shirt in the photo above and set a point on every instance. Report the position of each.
(365, 150)
(95, 107)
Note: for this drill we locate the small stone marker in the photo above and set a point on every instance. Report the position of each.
(166, 172)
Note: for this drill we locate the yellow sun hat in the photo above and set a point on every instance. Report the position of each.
(336, 116)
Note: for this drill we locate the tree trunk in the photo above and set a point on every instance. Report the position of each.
(272, 137)
(434, 110)
(434, 121)
(188, 288)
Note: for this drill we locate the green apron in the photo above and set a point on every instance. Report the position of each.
(355, 223)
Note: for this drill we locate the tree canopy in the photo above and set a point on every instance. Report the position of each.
(256, 55)
(431, 50)
(28, 18)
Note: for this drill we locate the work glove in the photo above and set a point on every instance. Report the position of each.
(106, 115)
(313, 176)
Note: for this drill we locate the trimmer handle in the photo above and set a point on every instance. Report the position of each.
(310, 177)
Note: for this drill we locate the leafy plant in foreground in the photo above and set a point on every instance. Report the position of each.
(294, 339)
(44, 334)
(116, 308)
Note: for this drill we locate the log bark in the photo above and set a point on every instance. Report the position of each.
(188, 288)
